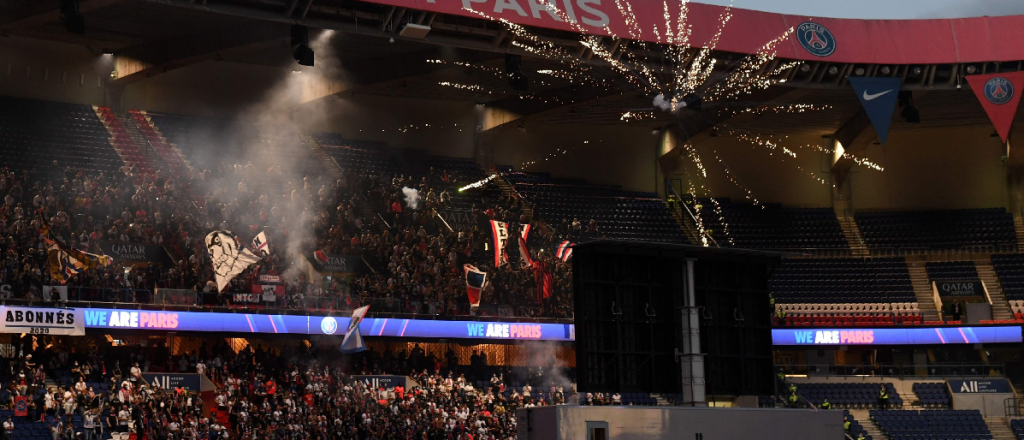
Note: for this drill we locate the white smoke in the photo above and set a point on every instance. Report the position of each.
(662, 103)
(412, 197)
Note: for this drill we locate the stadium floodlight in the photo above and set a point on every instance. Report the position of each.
(303, 54)
(805, 68)
(859, 71)
(73, 20)
(971, 69)
(916, 71)
(886, 70)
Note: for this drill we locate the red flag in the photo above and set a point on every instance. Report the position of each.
(21, 406)
(999, 94)
(543, 280)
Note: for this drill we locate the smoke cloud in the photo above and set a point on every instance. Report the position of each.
(412, 197)
(662, 103)
(258, 165)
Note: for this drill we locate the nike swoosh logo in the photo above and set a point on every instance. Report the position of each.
(868, 97)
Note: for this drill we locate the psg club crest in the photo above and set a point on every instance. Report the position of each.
(329, 325)
(998, 90)
(816, 39)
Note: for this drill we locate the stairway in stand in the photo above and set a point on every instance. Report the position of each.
(328, 161)
(853, 237)
(922, 290)
(685, 222)
(862, 416)
(123, 144)
(506, 188)
(999, 428)
(987, 273)
(1018, 227)
(143, 145)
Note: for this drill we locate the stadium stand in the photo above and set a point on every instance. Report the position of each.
(848, 395)
(990, 229)
(932, 424)
(594, 211)
(1017, 425)
(845, 292)
(1010, 269)
(856, 430)
(51, 135)
(932, 395)
(771, 226)
(951, 270)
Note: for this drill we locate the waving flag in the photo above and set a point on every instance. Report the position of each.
(476, 280)
(228, 258)
(564, 250)
(66, 263)
(500, 232)
(353, 342)
(259, 244)
(524, 254)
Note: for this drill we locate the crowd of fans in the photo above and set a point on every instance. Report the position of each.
(296, 392)
(413, 261)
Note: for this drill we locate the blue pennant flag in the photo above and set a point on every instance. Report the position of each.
(878, 96)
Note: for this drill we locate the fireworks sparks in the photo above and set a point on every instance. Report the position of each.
(469, 87)
(636, 116)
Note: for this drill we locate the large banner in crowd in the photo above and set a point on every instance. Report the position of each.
(131, 252)
(42, 321)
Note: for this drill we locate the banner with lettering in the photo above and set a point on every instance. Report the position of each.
(499, 230)
(253, 297)
(959, 288)
(979, 386)
(457, 219)
(336, 263)
(170, 381)
(42, 321)
(132, 252)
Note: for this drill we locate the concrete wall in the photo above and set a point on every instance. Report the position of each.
(53, 71)
(664, 423)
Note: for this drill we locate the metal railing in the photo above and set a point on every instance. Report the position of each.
(934, 370)
(696, 221)
(1014, 406)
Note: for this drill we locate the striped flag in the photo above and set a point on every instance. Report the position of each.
(564, 250)
(476, 280)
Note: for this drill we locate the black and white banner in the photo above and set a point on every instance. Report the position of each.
(228, 258)
(255, 297)
(131, 252)
(42, 321)
(336, 263)
(959, 288)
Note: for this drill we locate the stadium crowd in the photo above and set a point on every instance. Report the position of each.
(296, 393)
(413, 260)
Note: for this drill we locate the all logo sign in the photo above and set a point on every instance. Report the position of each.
(816, 39)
